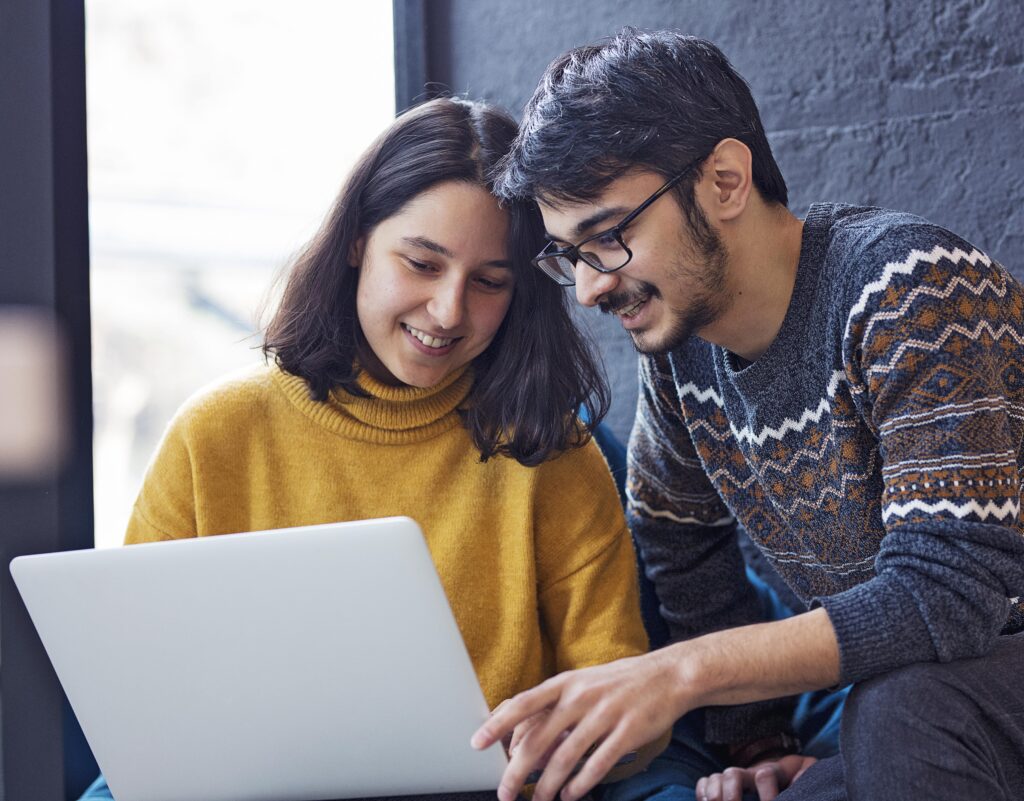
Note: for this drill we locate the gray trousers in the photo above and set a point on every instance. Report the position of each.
(942, 732)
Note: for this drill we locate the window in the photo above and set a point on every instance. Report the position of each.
(219, 133)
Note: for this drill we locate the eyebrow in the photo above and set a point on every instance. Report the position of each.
(595, 219)
(441, 250)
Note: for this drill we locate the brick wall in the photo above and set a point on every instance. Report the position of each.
(911, 105)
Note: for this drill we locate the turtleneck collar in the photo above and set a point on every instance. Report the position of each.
(388, 415)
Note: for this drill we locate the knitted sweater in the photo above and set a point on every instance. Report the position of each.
(872, 453)
(537, 563)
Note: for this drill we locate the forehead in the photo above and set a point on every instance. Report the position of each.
(465, 218)
(570, 221)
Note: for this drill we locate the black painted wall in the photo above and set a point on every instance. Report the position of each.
(900, 103)
(44, 265)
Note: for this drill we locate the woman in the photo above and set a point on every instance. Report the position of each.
(421, 366)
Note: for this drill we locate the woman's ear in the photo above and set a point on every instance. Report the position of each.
(355, 253)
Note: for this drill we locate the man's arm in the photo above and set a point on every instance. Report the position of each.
(625, 704)
(935, 364)
(687, 538)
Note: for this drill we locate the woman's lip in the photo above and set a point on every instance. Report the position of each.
(428, 351)
(425, 332)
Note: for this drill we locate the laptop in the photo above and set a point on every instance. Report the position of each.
(292, 665)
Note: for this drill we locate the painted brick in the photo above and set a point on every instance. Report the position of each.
(911, 105)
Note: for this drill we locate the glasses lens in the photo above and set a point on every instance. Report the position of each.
(605, 253)
(559, 268)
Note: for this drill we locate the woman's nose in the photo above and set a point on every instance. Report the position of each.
(447, 306)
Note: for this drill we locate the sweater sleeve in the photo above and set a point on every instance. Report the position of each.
(933, 346)
(586, 568)
(687, 538)
(165, 507)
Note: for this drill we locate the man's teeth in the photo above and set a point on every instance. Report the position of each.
(429, 341)
(629, 311)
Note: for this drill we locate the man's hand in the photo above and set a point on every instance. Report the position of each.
(769, 779)
(612, 709)
(607, 711)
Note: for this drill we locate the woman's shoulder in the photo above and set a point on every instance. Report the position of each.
(581, 476)
(231, 397)
(587, 458)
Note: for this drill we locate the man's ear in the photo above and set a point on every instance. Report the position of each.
(355, 253)
(728, 179)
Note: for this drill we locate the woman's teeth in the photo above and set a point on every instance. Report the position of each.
(429, 341)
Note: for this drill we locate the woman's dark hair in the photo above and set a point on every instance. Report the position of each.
(537, 373)
(657, 100)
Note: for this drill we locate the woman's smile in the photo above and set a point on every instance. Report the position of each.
(429, 344)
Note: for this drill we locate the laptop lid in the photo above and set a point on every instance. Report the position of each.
(290, 665)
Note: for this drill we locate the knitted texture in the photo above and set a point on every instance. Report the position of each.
(537, 563)
(872, 453)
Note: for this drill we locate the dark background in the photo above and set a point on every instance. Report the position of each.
(911, 105)
(907, 104)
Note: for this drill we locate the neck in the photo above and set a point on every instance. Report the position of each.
(764, 250)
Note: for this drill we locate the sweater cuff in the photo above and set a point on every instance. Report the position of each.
(736, 725)
(879, 628)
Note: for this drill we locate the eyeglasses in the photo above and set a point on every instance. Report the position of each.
(605, 251)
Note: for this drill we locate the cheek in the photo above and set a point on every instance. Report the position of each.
(377, 298)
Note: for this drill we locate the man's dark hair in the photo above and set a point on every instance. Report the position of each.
(536, 374)
(653, 100)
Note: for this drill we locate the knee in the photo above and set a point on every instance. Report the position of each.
(907, 702)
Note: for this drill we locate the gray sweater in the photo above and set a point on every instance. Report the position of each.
(872, 453)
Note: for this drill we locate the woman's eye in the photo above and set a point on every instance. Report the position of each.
(420, 266)
(491, 284)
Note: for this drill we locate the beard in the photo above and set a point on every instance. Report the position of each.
(710, 298)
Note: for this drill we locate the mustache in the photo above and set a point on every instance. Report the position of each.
(610, 304)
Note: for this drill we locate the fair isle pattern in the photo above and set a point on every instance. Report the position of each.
(890, 408)
(906, 267)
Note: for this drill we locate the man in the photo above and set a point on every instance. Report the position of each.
(849, 388)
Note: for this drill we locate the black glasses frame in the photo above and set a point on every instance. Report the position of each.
(574, 253)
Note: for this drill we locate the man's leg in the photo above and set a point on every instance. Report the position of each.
(939, 731)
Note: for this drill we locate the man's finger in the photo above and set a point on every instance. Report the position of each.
(510, 713)
(565, 759)
(713, 791)
(521, 729)
(605, 757)
(733, 780)
(536, 746)
(766, 780)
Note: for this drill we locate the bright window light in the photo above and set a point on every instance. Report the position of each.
(219, 133)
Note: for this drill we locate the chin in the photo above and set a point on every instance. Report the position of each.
(650, 343)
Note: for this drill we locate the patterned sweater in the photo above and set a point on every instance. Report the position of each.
(873, 453)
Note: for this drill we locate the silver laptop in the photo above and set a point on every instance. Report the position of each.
(291, 665)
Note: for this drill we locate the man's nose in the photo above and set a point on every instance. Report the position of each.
(592, 285)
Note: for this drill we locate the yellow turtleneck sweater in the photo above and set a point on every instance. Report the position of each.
(537, 562)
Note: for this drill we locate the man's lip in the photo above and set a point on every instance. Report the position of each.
(617, 311)
(638, 320)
